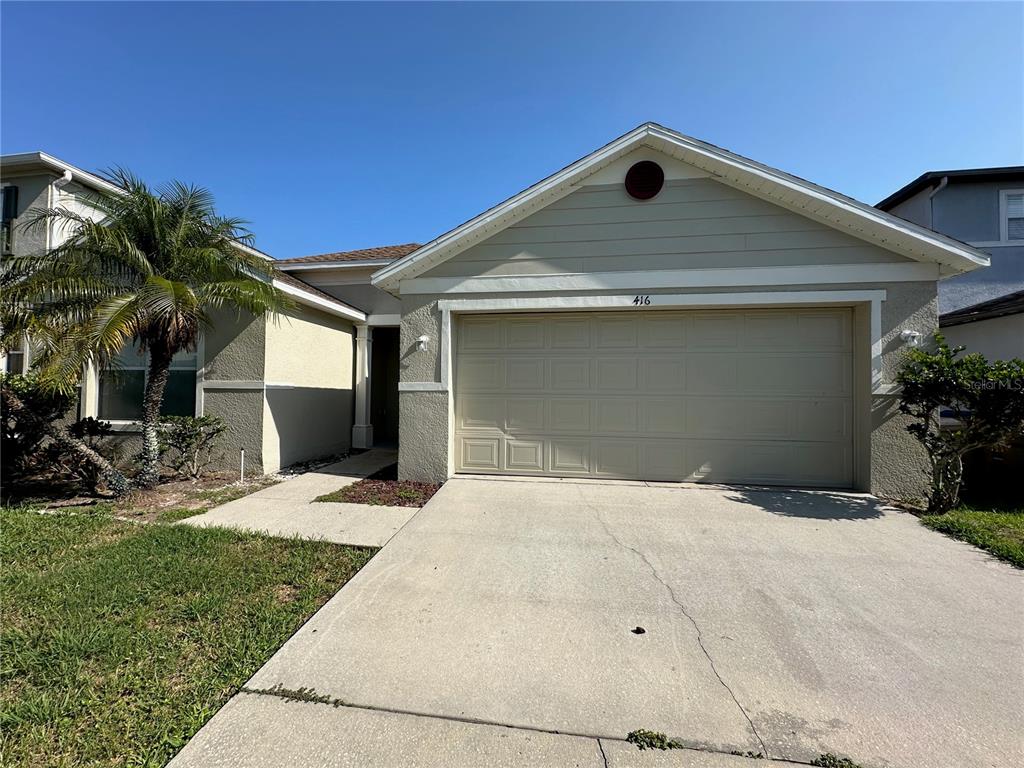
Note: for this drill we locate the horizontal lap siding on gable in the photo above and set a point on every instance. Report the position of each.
(691, 224)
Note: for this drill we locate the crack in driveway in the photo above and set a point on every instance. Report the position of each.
(682, 609)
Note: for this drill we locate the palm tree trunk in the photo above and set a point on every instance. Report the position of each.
(116, 482)
(159, 373)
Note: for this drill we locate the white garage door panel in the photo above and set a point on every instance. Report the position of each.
(759, 396)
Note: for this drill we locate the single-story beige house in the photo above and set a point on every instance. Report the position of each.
(661, 309)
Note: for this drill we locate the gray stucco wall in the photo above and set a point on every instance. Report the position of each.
(896, 463)
(234, 351)
(32, 193)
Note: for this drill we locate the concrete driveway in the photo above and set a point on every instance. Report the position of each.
(502, 626)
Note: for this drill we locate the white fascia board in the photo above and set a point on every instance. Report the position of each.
(844, 213)
(89, 180)
(55, 164)
(677, 278)
(312, 300)
(370, 263)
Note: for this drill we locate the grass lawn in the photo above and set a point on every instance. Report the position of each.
(383, 488)
(120, 639)
(998, 532)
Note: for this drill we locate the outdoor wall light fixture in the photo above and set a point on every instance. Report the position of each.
(911, 338)
(421, 342)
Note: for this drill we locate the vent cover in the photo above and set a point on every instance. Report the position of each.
(644, 180)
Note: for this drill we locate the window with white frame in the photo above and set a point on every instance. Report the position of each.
(16, 359)
(1012, 209)
(122, 386)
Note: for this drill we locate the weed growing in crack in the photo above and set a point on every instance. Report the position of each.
(297, 694)
(828, 760)
(749, 754)
(644, 739)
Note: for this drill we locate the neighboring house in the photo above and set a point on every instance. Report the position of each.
(283, 385)
(982, 310)
(661, 309)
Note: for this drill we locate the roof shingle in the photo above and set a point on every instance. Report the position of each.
(389, 252)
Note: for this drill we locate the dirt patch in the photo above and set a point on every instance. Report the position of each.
(286, 593)
(383, 488)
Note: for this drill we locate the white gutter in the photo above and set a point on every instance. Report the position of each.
(312, 300)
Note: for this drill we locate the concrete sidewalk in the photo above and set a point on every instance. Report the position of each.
(288, 508)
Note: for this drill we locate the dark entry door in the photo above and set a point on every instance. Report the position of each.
(384, 386)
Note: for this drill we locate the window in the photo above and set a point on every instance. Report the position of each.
(1012, 210)
(15, 359)
(10, 213)
(122, 387)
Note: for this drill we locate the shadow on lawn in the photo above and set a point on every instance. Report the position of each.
(813, 505)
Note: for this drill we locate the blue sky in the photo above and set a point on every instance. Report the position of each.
(342, 126)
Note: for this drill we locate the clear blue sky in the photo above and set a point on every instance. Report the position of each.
(338, 126)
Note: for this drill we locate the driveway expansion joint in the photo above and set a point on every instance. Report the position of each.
(310, 696)
(682, 609)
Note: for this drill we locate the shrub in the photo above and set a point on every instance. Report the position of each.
(22, 440)
(985, 402)
(187, 443)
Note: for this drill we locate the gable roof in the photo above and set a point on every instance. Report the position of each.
(788, 191)
(963, 175)
(382, 254)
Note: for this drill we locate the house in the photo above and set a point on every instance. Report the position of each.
(283, 385)
(661, 309)
(982, 310)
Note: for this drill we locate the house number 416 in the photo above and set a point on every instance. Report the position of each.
(641, 301)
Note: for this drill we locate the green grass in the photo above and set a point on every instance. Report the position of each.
(998, 532)
(120, 640)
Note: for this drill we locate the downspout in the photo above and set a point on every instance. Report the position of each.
(941, 186)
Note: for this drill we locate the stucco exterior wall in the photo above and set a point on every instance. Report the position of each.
(233, 364)
(895, 462)
(307, 409)
(33, 192)
(1000, 338)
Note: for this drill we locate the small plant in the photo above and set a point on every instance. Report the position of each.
(828, 760)
(748, 754)
(984, 401)
(643, 739)
(187, 443)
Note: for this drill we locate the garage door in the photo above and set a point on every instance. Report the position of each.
(750, 396)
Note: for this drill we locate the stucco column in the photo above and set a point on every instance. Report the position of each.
(362, 429)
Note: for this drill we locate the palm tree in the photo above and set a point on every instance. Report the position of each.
(147, 274)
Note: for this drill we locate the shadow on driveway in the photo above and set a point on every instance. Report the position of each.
(814, 505)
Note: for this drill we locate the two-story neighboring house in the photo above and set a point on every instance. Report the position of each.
(283, 385)
(982, 310)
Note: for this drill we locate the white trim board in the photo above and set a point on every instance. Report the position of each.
(795, 194)
(658, 301)
(678, 278)
(312, 300)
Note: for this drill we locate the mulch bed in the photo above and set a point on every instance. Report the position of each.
(383, 488)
